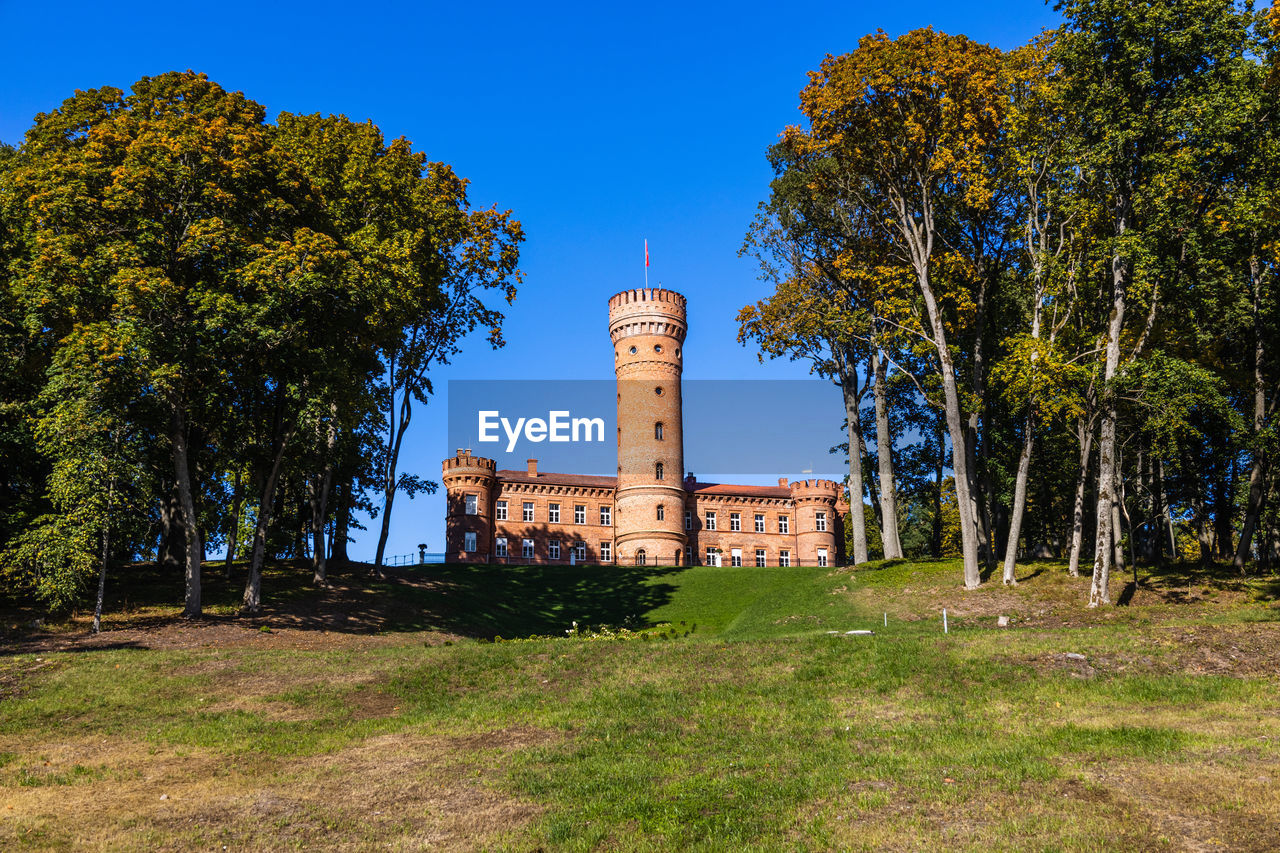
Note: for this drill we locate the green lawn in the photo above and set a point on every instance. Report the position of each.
(726, 718)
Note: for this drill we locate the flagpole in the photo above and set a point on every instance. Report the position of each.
(646, 264)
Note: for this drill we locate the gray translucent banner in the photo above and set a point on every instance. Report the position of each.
(775, 428)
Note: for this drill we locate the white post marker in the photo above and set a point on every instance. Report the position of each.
(886, 619)
(944, 621)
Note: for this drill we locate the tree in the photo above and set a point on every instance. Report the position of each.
(910, 124)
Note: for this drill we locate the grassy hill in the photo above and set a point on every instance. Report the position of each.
(727, 717)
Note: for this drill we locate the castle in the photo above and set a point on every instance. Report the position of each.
(646, 515)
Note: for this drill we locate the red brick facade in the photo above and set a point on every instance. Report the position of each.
(647, 514)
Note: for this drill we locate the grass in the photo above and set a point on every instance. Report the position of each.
(727, 718)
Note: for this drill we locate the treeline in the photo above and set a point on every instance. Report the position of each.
(1049, 275)
(215, 329)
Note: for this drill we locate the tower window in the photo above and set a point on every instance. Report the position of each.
(662, 513)
(632, 350)
(469, 542)
(657, 471)
(657, 430)
(657, 347)
(820, 521)
(640, 557)
(658, 390)
(471, 504)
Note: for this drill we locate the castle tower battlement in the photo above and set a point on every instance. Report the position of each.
(817, 520)
(647, 328)
(470, 485)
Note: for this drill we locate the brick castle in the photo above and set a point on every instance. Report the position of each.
(647, 514)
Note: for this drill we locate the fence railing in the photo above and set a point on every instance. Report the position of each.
(413, 559)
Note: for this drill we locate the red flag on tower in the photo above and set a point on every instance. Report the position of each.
(646, 253)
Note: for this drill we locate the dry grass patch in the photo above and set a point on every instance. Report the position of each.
(399, 792)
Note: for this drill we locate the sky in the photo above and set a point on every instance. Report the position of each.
(600, 125)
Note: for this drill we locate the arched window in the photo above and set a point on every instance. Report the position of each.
(662, 512)
(657, 471)
(657, 430)
(640, 557)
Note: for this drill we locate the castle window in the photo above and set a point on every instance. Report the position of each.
(688, 519)
(500, 546)
(662, 513)
(657, 347)
(606, 515)
(735, 557)
(822, 557)
(580, 551)
(606, 551)
(711, 520)
(469, 542)
(526, 548)
(760, 558)
(735, 521)
(640, 557)
(713, 557)
(759, 523)
(500, 510)
(553, 513)
(528, 511)
(820, 522)
(553, 549)
(657, 430)
(632, 350)
(784, 524)
(688, 555)
(658, 390)
(580, 514)
(784, 558)
(471, 504)
(657, 471)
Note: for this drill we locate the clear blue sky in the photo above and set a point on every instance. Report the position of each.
(598, 124)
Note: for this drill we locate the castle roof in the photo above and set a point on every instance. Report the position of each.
(741, 491)
(551, 478)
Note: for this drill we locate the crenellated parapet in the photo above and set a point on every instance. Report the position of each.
(647, 311)
(818, 521)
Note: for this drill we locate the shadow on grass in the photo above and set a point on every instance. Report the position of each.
(474, 601)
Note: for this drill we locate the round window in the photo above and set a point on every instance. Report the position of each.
(658, 390)
(657, 347)
(633, 350)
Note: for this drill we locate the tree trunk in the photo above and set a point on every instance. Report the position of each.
(233, 531)
(102, 570)
(182, 477)
(1102, 547)
(173, 535)
(935, 535)
(1084, 431)
(320, 505)
(857, 515)
(1117, 532)
(884, 453)
(1019, 503)
(341, 523)
(395, 435)
(1257, 472)
(252, 600)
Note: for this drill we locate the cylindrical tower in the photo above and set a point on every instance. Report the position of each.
(470, 483)
(648, 329)
(817, 521)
